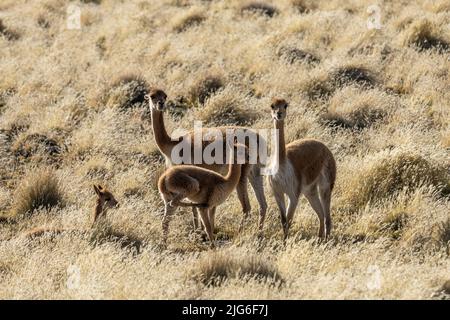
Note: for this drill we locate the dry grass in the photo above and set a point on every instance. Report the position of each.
(395, 173)
(260, 8)
(215, 268)
(72, 103)
(39, 189)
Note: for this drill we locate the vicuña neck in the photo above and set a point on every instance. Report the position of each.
(234, 173)
(98, 208)
(279, 125)
(165, 144)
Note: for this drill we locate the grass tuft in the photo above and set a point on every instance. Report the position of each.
(30, 145)
(187, 21)
(294, 55)
(39, 189)
(217, 267)
(353, 75)
(424, 35)
(8, 33)
(260, 8)
(225, 110)
(403, 172)
(127, 91)
(205, 87)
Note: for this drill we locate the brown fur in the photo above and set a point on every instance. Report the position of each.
(314, 168)
(105, 200)
(249, 172)
(205, 188)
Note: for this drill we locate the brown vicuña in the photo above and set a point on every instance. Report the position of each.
(250, 172)
(105, 200)
(205, 188)
(306, 166)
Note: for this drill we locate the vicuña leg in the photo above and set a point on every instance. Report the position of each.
(325, 199)
(207, 224)
(212, 217)
(279, 198)
(242, 194)
(292, 205)
(169, 210)
(257, 182)
(313, 198)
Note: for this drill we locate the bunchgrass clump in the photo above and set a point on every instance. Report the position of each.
(205, 87)
(294, 55)
(39, 189)
(259, 8)
(353, 108)
(36, 144)
(187, 20)
(8, 33)
(225, 110)
(403, 172)
(304, 6)
(353, 75)
(215, 268)
(127, 91)
(424, 35)
(103, 233)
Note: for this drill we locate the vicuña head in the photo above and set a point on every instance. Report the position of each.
(279, 108)
(105, 200)
(157, 99)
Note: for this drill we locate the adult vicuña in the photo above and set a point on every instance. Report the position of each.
(205, 188)
(250, 172)
(306, 166)
(105, 200)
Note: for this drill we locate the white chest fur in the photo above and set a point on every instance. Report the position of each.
(284, 179)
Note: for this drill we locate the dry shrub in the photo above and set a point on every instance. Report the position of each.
(187, 20)
(353, 75)
(304, 6)
(6, 32)
(294, 55)
(354, 109)
(359, 118)
(39, 189)
(217, 267)
(318, 89)
(35, 144)
(388, 176)
(259, 8)
(205, 87)
(394, 223)
(425, 35)
(43, 22)
(178, 107)
(92, 1)
(127, 91)
(103, 233)
(224, 110)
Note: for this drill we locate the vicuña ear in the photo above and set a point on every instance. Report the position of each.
(97, 190)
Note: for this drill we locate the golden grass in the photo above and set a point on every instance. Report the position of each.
(71, 103)
(390, 175)
(39, 189)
